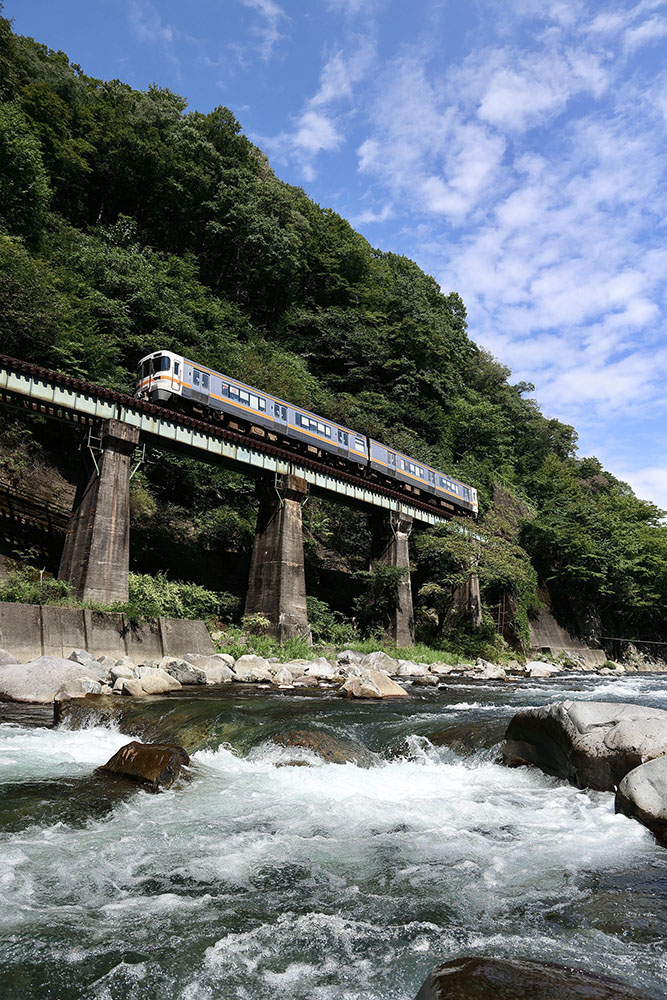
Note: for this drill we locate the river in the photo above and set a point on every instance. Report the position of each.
(256, 881)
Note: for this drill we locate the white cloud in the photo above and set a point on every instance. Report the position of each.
(649, 31)
(369, 216)
(269, 30)
(648, 483)
(318, 128)
(148, 25)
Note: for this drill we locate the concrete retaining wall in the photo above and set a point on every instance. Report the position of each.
(30, 630)
(547, 636)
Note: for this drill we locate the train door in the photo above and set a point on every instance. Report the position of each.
(391, 462)
(279, 413)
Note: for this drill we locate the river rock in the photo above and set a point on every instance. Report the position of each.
(40, 680)
(591, 744)
(492, 672)
(283, 677)
(440, 669)
(121, 670)
(379, 660)
(305, 681)
(78, 688)
(154, 764)
(157, 681)
(181, 670)
(642, 794)
(251, 669)
(538, 668)
(372, 684)
(129, 685)
(328, 747)
(82, 656)
(216, 667)
(425, 680)
(6, 658)
(347, 656)
(406, 668)
(479, 978)
(320, 668)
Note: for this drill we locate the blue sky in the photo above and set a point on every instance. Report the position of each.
(515, 150)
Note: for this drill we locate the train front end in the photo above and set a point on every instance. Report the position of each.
(159, 377)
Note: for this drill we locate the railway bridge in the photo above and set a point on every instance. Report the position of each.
(95, 558)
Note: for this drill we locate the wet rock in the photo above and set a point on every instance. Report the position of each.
(372, 684)
(591, 744)
(156, 681)
(328, 747)
(642, 795)
(78, 688)
(41, 679)
(380, 660)
(215, 668)
(251, 669)
(426, 680)
(6, 658)
(154, 764)
(479, 978)
(305, 681)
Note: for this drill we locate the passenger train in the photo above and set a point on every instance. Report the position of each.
(168, 378)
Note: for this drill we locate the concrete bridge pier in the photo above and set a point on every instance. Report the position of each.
(390, 546)
(96, 556)
(277, 584)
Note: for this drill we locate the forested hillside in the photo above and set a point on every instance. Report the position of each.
(129, 223)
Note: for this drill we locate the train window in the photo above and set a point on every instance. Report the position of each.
(165, 364)
(204, 381)
(431, 476)
(466, 493)
(177, 368)
(244, 397)
(359, 442)
(391, 457)
(233, 391)
(224, 389)
(262, 404)
(195, 377)
(283, 412)
(343, 438)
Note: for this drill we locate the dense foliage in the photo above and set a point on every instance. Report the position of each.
(128, 223)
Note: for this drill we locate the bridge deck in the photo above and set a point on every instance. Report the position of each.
(64, 397)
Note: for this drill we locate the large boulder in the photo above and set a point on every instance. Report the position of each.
(121, 670)
(441, 669)
(283, 677)
(642, 794)
(347, 656)
(78, 688)
(328, 747)
(539, 668)
(131, 686)
(215, 668)
(379, 660)
(250, 669)
(157, 681)
(479, 978)
(154, 764)
(492, 672)
(182, 671)
(40, 680)
(590, 743)
(372, 684)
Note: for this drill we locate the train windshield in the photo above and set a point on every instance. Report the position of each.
(152, 365)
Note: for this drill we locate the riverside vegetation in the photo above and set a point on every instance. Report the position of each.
(130, 223)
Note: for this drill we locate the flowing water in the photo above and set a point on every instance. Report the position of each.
(255, 880)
